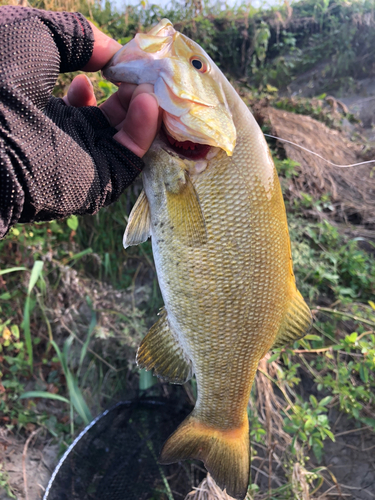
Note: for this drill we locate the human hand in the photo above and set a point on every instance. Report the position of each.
(133, 110)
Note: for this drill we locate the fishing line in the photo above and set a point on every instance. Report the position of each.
(318, 155)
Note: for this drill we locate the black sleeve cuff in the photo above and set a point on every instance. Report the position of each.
(73, 36)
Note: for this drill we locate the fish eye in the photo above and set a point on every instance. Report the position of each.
(199, 64)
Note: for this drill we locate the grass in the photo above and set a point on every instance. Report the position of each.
(74, 307)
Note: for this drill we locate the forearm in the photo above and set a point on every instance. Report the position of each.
(54, 160)
(50, 175)
(67, 34)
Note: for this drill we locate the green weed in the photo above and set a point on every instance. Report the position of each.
(326, 262)
(4, 482)
(76, 399)
(309, 423)
(286, 167)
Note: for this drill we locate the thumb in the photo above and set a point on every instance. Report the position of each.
(80, 93)
(104, 48)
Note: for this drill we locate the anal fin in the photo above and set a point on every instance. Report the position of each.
(296, 323)
(161, 351)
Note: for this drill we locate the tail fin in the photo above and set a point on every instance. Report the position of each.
(226, 454)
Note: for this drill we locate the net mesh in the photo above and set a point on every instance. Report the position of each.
(115, 457)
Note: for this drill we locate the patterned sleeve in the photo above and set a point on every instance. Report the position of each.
(55, 160)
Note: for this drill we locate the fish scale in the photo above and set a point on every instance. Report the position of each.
(221, 249)
(229, 275)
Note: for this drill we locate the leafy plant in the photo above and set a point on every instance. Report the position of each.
(286, 167)
(4, 482)
(309, 423)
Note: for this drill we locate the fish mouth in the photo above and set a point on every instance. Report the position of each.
(185, 149)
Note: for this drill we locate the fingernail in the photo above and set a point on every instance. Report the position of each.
(89, 81)
(156, 98)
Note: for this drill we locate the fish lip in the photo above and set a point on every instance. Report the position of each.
(105, 75)
(106, 69)
(192, 156)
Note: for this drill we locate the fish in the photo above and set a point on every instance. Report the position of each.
(213, 206)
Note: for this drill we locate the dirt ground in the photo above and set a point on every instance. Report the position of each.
(30, 467)
(359, 97)
(351, 460)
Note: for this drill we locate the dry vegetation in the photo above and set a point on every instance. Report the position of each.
(352, 190)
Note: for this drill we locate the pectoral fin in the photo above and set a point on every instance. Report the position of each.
(296, 323)
(139, 224)
(186, 214)
(161, 351)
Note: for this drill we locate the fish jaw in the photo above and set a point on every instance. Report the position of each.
(194, 104)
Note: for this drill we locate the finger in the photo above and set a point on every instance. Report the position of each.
(117, 105)
(143, 88)
(160, 117)
(80, 93)
(141, 124)
(104, 48)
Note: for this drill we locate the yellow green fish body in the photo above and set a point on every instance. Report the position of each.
(222, 253)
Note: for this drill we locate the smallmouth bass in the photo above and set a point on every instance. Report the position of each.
(213, 207)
